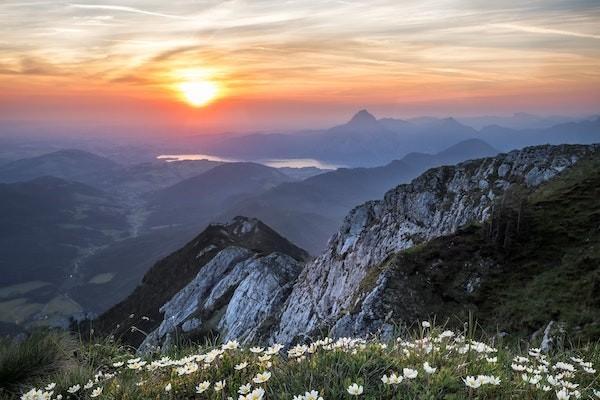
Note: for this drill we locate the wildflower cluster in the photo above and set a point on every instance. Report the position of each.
(435, 362)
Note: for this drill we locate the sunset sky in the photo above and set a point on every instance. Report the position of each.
(275, 64)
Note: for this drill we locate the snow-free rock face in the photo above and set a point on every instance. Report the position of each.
(434, 204)
(238, 294)
(243, 252)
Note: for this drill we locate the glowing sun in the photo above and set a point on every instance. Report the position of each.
(199, 93)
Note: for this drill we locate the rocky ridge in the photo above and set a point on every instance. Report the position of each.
(236, 295)
(434, 204)
(243, 254)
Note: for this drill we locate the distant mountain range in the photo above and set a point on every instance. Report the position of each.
(367, 141)
(521, 121)
(101, 172)
(582, 132)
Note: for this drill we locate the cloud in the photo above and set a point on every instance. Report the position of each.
(126, 9)
(535, 29)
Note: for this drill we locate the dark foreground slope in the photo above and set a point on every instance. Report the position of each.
(536, 260)
(171, 274)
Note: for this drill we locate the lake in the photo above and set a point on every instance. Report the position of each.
(275, 163)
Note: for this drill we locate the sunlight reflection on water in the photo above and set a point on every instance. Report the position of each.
(275, 163)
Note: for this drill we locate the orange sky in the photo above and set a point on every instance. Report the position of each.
(295, 64)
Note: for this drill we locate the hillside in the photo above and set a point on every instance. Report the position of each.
(48, 227)
(198, 199)
(73, 165)
(171, 274)
(535, 261)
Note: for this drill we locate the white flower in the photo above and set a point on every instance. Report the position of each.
(118, 364)
(262, 377)
(241, 366)
(569, 385)
(425, 324)
(446, 334)
(257, 394)
(472, 382)
(245, 389)
(410, 373)
(96, 392)
(489, 380)
(231, 345)
(312, 395)
(393, 379)
(491, 360)
(74, 389)
(265, 357)
(187, 369)
(202, 386)
(50, 386)
(534, 379)
(564, 366)
(219, 385)
(35, 394)
(428, 368)
(88, 385)
(256, 350)
(276, 348)
(355, 389)
(563, 394)
(518, 367)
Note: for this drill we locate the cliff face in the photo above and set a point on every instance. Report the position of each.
(435, 204)
(237, 295)
(537, 260)
(166, 280)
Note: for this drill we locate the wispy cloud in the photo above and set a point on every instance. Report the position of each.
(126, 9)
(336, 49)
(549, 31)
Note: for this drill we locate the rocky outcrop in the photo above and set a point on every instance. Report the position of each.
(237, 295)
(204, 261)
(434, 204)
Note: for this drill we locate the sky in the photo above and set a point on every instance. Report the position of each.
(276, 64)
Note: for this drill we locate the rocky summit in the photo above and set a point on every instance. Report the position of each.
(198, 289)
(237, 295)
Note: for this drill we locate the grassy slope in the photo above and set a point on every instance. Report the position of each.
(546, 269)
(327, 369)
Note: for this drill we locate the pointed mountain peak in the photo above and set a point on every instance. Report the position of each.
(363, 117)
